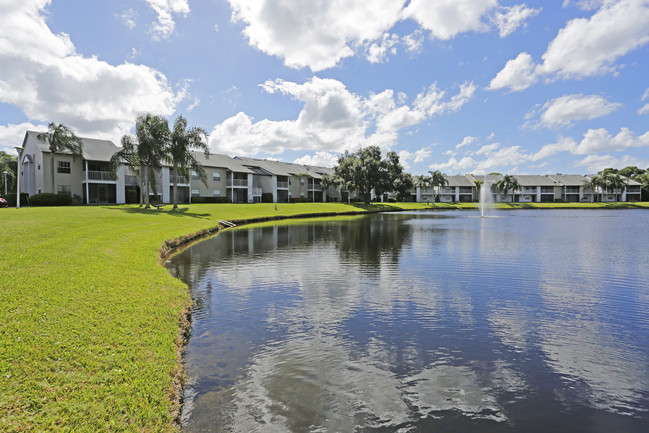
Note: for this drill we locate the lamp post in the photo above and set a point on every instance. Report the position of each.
(18, 169)
(5, 173)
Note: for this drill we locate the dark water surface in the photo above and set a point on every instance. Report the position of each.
(531, 321)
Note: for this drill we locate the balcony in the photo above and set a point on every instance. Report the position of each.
(101, 175)
(572, 190)
(314, 186)
(179, 179)
(529, 190)
(237, 182)
(256, 191)
(130, 179)
(283, 185)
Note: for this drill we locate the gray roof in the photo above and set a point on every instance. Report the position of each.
(459, 180)
(93, 149)
(221, 161)
(570, 179)
(534, 180)
(278, 168)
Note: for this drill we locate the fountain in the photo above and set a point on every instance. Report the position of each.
(485, 196)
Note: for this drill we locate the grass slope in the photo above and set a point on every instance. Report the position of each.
(89, 320)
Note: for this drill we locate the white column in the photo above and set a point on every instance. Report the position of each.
(457, 194)
(274, 183)
(250, 187)
(418, 194)
(87, 186)
(538, 194)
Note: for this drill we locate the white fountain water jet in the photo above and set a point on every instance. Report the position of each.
(485, 196)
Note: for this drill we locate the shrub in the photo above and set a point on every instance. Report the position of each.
(211, 200)
(49, 199)
(299, 200)
(11, 199)
(266, 197)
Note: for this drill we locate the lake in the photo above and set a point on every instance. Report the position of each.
(525, 321)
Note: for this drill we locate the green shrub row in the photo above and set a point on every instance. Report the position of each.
(49, 199)
(211, 200)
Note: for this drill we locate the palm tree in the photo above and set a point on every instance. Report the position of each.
(179, 153)
(593, 184)
(424, 182)
(478, 186)
(147, 151)
(614, 183)
(60, 138)
(438, 180)
(506, 184)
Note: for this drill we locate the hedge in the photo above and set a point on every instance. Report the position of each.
(211, 200)
(49, 199)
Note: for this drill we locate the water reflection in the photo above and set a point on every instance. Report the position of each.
(420, 322)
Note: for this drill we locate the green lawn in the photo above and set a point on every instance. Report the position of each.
(89, 320)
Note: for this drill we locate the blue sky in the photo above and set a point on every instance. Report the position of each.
(463, 86)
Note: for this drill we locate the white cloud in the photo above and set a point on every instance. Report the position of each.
(518, 74)
(128, 18)
(90, 95)
(444, 19)
(318, 36)
(166, 9)
(600, 140)
(13, 135)
(405, 157)
(596, 163)
(320, 159)
(563, 111)
(487, 149)
(216, 28)
(333, 119)
(585, 47)
(378, 51)
(645, 108)
(564, 144)
(325, 33)
(414, 41)
(513, 17)
(194, 104)
(465, 141)
(453, 165)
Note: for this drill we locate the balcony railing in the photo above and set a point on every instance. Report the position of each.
(180, 179)
(282, 185)
(100, 175)
(256, 190)
(314, 186)
(237, 182)
(547, 190)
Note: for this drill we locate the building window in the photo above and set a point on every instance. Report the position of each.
(195, 192)
(39, 165)
(64, 190)
(302, 195)
(63, 167)
(194, 175)
(216, 193)
(301, 181)
(216, 176)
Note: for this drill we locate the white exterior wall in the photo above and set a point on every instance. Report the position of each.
(166, 183)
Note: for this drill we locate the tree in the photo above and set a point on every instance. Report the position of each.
(632, 172)
(644, 180)
(146, 151)
(478, 186)
(614, 183)
(360, 170)
(60, 138)
(437, 179)
(179, 153)
(8, 164)
(394, 178)
(593, 184)
(506, 184)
